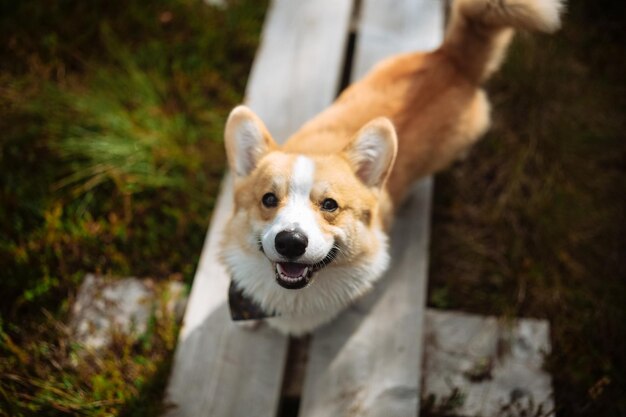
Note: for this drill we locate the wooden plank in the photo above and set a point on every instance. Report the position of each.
(215, 372)
(298, 69)
(221, 369)
(367, 362)
(393, 27)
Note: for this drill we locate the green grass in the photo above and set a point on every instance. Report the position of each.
(111, 120)
(532, 223)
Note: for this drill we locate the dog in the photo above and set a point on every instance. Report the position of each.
(308, 233)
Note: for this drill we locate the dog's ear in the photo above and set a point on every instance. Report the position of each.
(246, 139)
(372, 151)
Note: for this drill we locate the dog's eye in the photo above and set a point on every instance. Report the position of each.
(269, 200)
(329, 205)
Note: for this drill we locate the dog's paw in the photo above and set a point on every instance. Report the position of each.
(249, 325)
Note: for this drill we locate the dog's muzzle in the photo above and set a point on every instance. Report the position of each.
(295, 276)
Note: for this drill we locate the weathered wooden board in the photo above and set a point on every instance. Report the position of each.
(367, 362)
(393, 27)
(221, 369)
(299, 64)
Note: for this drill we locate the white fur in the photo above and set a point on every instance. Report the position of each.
(374, 151)
(248, 137)
(332, 290)
(245, 141)
(298, 214)
(541, 15)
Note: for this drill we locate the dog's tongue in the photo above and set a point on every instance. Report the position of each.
(291, 269)
(292, 276)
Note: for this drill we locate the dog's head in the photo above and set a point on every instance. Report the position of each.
(302, 219)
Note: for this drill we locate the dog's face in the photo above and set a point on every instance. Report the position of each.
(306, 225)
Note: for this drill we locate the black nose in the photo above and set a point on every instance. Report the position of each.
(291, 244)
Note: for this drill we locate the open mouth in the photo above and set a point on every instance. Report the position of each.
(295, 276)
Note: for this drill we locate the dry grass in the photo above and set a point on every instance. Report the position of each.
(532, 223)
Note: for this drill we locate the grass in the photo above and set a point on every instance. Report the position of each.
(111, 120)
(111, 116)
(532, 223)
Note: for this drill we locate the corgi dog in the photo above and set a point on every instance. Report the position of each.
(308, 233)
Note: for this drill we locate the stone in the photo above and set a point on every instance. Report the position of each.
(484, 366)
(217, 3)
(176, 299)
(105, 306)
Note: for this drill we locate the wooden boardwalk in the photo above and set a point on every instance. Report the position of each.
(367, 362)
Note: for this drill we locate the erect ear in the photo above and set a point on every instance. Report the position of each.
(372, 151)
(246, 139)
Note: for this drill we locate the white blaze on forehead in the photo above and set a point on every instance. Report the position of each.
(298, 213)
(302, 178)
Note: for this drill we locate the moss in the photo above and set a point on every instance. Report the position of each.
(111, 115)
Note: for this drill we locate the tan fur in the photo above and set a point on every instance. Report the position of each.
(411, 116)
(433, 99)
(437, 113)
(333, 177)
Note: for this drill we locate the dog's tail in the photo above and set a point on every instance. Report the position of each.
(480, 30)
